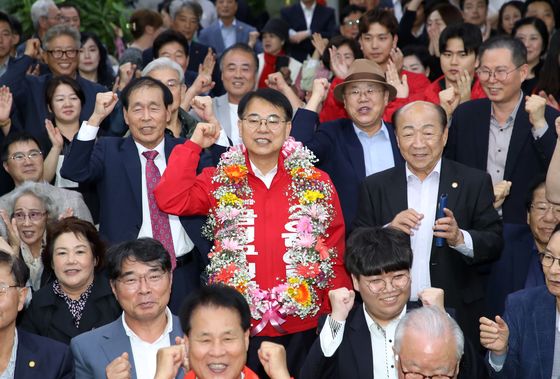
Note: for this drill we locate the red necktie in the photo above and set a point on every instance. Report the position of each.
(160, 221)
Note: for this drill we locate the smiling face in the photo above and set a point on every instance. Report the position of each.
(217, 345)
(65, 104)
(421, 138)
(532, 40)
(365, 103)
(541, 218)
(552, 273)
(170, 78)
(147, 116)
(73, 263)
(506, 90)
(389, 303)
(12, 301)
(30, 231)
(175, 52)
(26, 168)
(63, 65)
(239, 72)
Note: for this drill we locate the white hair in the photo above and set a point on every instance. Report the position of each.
(61, 30)
(433, 324)
(39, 9)
(162, 63)
(177, 6)
(37, 189)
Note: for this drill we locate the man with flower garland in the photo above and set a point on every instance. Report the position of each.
(275, 219)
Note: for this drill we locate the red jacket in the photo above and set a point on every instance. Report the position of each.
(182, 192)
(432, 92)
(333, 109)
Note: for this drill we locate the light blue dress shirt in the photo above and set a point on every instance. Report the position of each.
(378, 152)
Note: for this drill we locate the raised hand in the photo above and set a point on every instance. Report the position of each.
(54, 135)
(277, 81)
(169, 360)
(464, 82)
(11, 229)
(396, 56)
(119, 368)
(6, 101)
(494, 335)
(273, 358)
(104, 104)
(550, 100)
(202, 105)
(501, 191)
(449, 99)
(407, 221)
(253, 36)
(206, 134)
(126, 73)
(338, 66)
(432, 297)
(393, 78)
(535, 106)
(33, 48)
(342, 301)
(319, 43)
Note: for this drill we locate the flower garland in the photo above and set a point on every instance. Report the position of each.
(311, 209)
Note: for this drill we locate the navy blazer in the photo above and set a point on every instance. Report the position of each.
(113, 164)
(212, 36)
(531, 318)
(470, 197)
(29, 98)
(340, 155)
(94, 350)
(526, 158)
(323, 22)
(42, 357)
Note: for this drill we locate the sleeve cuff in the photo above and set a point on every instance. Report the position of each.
(331, 336)
(497, 361)
(465, 248)
(87, 132)
(538, 133)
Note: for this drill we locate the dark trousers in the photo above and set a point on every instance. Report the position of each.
(186, 278)
(297, 346)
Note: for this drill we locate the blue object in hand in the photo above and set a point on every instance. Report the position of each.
(442, 203)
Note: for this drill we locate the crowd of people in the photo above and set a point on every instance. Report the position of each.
(371, 192)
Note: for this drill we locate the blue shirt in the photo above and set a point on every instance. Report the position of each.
(378, 152)
(228, 33)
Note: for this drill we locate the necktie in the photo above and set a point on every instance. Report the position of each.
(160, 221)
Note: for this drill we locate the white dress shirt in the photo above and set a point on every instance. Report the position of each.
(266, 178)
(144, 353)
(233, 118)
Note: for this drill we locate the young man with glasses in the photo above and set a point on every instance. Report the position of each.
(140, 275)
(523, 343)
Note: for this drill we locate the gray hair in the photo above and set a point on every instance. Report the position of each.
(162, 63)
(61, 30)
(434, 324)
(39, 9)
(40, 190)
(177, 6)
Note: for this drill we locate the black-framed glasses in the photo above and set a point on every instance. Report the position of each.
(57, 54)
(5, 287)
(397, 282)
(499, 74)
(34, 216)
(31, 155)
(273, 122)
(132, 282)
(548, 260)
(417, 375)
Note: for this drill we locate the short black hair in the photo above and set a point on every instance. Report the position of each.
(105, 74)
(348, 10)
(381, 16)
(4, 17)
(169, 36)
(419, 51)
(17, 27)
(272, 96)
(442, 116)
(240, 46)
(338, 41)
(21, 136)
(539, 25)
(145, 250)
(69, 4)
(538, 181)
(145, 81)
(218, 296)
(470, 35)
(462, 3)
(519, 5)
(374, 251)
(18, 268)
(515, 46)
(54, 81)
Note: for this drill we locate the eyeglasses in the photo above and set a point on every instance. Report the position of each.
(417, 375)
(32, 155)
(33, 216)
(172, 83)
(499, 74)
(397, 282)
(272, 122)
(132, 282)
(351, 22)
(548, 260)
(5, 287)
(368, 92)
(59, 53)
(541, 208)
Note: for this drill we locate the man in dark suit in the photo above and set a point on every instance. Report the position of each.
(305, 18)
(356, 340)
(25, 355)
(124, 170)
(468, 231)
(349, 149)
(522, 343)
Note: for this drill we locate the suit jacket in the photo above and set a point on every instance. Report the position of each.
(323, 22)
(48, 314)
(114, 165)
(340, 155)
(354, 357)
(526, 158)
(220, 105)
(212, 36)
(470, 197)
(531, 318)
(94, 350)
(41, 357)
(29, 98)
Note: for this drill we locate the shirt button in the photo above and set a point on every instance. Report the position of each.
(497, 170)
(392, 366)
(499, 150)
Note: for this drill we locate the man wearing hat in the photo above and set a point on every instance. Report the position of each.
(274, 58)
(349, 149)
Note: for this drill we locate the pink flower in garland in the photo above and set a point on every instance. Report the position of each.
(305, 240)
(304, 225)
(230, 245)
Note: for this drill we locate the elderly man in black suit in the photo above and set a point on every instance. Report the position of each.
(448, 248)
